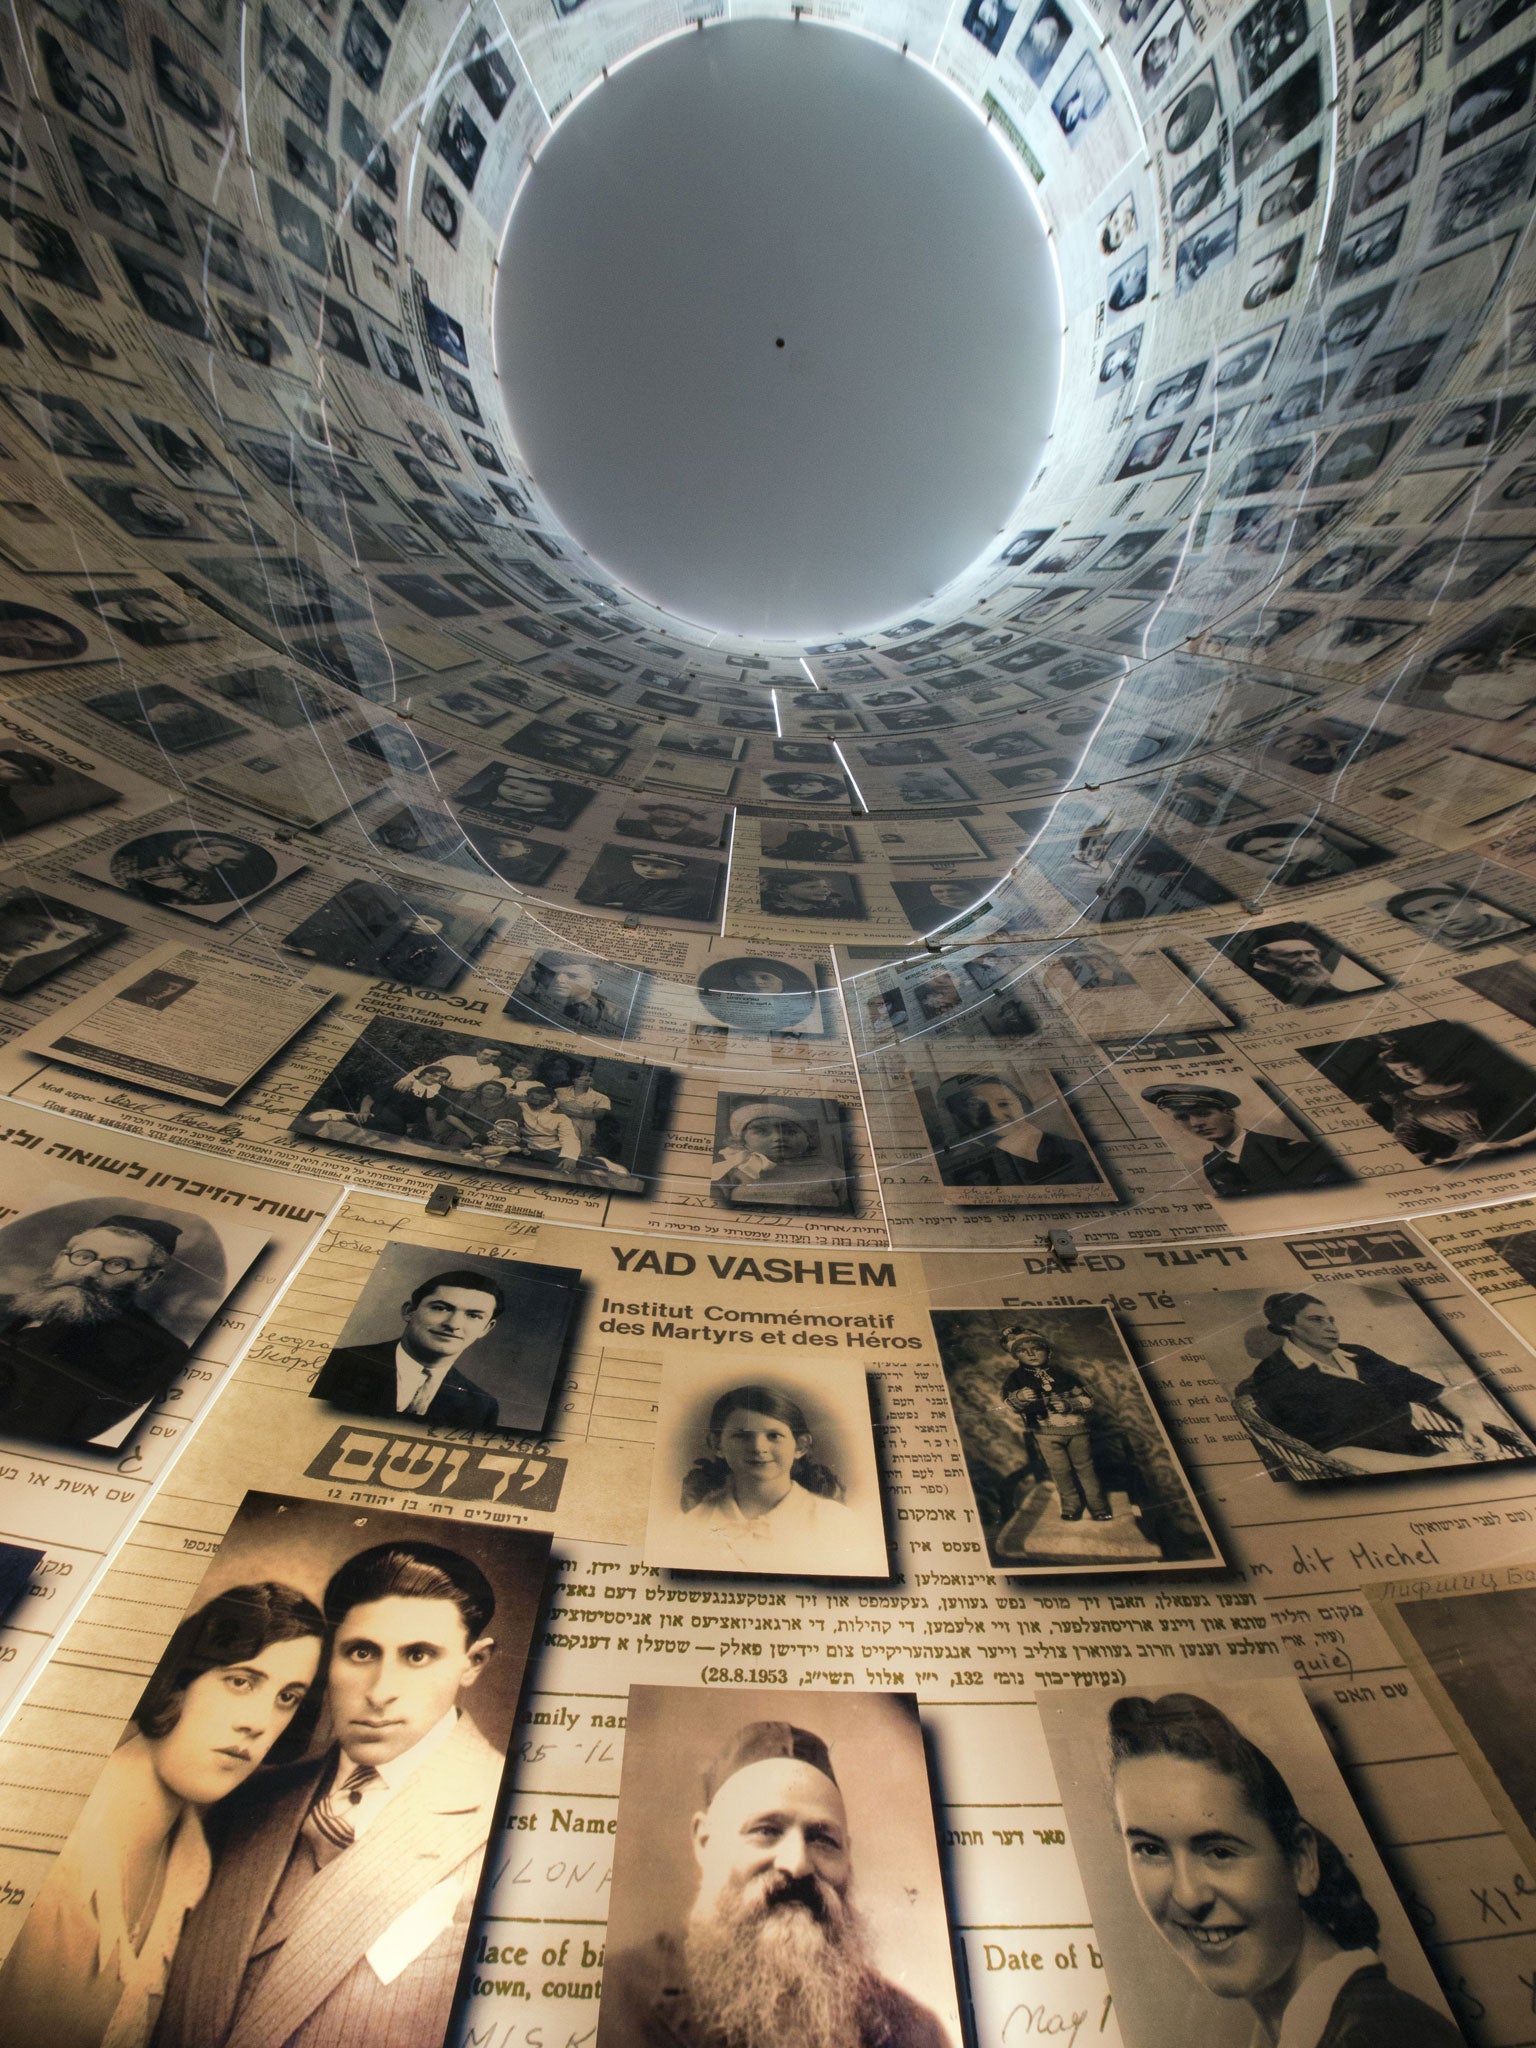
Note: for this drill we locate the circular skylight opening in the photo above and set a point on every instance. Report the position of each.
(779, 330)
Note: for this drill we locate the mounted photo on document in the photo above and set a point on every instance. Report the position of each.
(1004, 1135)
(1231, 1786)
(1070, 1466)
(773, 1474)
(507, 1108)
(1468, 1639)
(257, 1771)
(453, 1338)
(103, 1298)
(722, 1927)
(1354, 1379)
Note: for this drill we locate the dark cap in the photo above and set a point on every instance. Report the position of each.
(1188, 1095)
(760, 1740)
(163, 1234)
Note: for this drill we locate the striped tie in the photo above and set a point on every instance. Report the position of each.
(328, 1826)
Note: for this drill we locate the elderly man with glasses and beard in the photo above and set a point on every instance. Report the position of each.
(79, 1348)
(774, 1954)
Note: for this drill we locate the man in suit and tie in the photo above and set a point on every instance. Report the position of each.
(1243, 1162)
(416, 1374)
(343, 1889)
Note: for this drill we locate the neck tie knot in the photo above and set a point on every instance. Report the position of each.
(328, 1824)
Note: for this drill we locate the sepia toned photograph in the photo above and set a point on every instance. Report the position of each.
(40, 935)
(1298, 964)
(785, 1152)
(207, 875)
(420, 1092)
(578, 992)
(423, 939)
(1233, 1885)
(761, 996)
(1442, 1090)
(102, 1300)
(776, 1475)
(1070, 1465)
(1467, 1641)
(776, 1880)
(460, 1341)
(1240, 1140)
(36, 788)
(1357, 1379)
(1451, 915)
(323, 1648)
(1005, 1135)
(653, 883)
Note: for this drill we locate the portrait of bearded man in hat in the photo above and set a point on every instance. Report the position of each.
(772, 1949)
(80, 1346)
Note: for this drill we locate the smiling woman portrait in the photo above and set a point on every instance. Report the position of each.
(1258, 1904)
(90, 1966)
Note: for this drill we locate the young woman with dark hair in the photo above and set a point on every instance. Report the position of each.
(90, 1965)
(1256, 1902)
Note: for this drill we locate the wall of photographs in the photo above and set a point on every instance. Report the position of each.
(930, 1235)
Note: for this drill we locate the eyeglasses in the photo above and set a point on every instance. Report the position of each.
(112, 1266)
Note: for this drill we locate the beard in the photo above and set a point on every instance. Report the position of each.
(73, 1304)
(779, 1962)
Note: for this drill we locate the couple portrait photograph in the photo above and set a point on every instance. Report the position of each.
(288, 1841)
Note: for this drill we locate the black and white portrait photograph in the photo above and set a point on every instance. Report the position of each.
(1081, 99)
(1238, 1141)
(1487, 671)
(36, 788)
(1266, 37)
(424, 1093)
(1295, 853)
(797, 840)
(1235, 1891)
(1298, 964)
(102, 1299)
(165, 717)
(1277, 120)
(1489, 97)
(788, 1152)
(1006, 1136)
(507, 795)
(775, 1880)
(452, 1338)
(810, 893)
(206, 875)
(412, 934)
(1443, 1091)
(989, 22)
(759, 995)
(653, 882)
(670, 821)
(1191, 113)
(322, 1648)
(1047, 34)
(775, 1475)
(1474, 190)
(938, 900)
(1070, 1466)
(579, 992)
(1356, 1379)
(40, 935)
